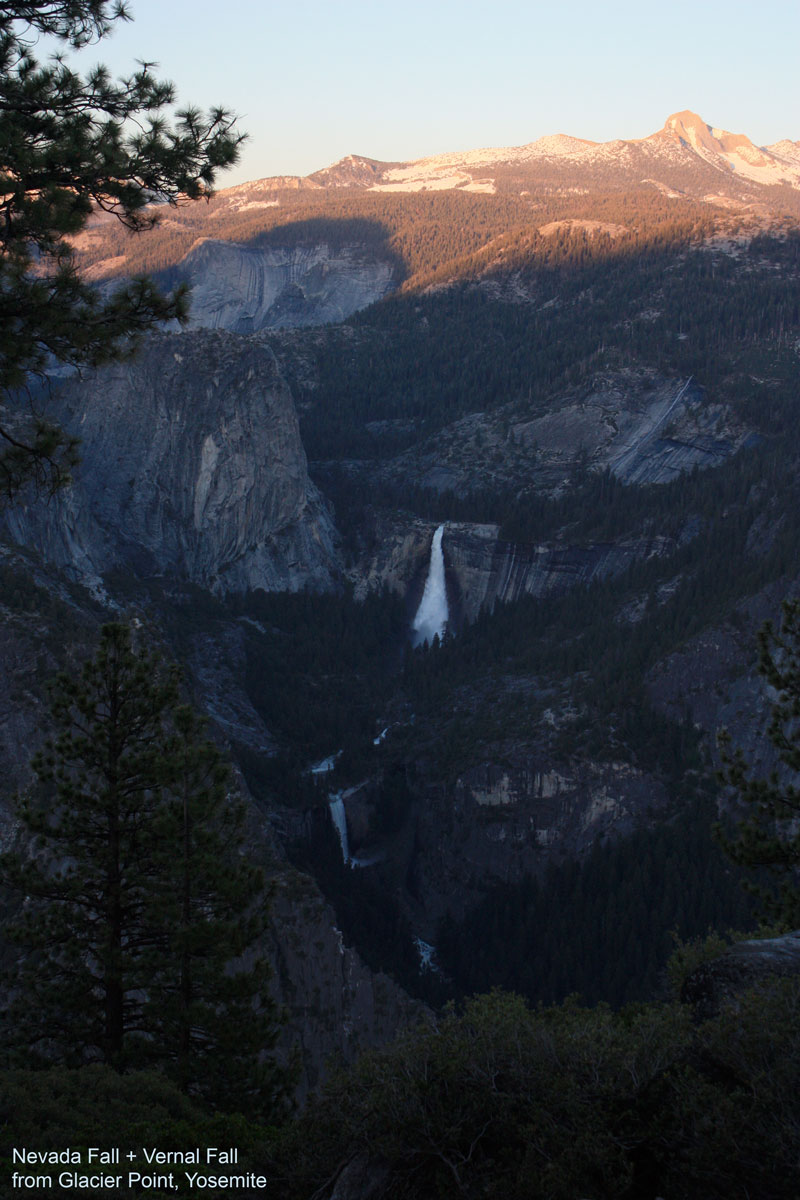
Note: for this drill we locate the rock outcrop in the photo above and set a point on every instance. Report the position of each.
(244, 288)
(192, 467)
(642, 426)
(713, 679)
(334, 1004)
(487, 570)
(499, 823)
(745, 965)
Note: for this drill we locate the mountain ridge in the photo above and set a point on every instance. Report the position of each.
(683, 132)
(295, 250)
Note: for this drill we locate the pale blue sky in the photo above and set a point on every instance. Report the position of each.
(314, 81)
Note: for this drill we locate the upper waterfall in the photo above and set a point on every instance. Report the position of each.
(433, 613)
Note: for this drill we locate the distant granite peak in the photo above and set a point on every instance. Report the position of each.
(687, 155)
(691, 129)
(354, 170)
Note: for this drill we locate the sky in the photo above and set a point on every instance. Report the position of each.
(313, 81)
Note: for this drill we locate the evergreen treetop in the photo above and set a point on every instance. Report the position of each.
(73, 145)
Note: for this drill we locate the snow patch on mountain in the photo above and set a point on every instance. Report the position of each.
(789, 151)
(430, 178)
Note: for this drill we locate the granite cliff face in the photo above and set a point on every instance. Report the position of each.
(486, 570)
(642, 426)
(483, 569)
(498, 822)
(192, 466)
(244, 288)
(334, 1004)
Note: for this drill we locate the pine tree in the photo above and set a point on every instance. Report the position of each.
(209, 1007)
(84, 924)
(141, 914)
(70, 146)
(769, 834)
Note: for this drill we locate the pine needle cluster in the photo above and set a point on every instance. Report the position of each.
(74, 147)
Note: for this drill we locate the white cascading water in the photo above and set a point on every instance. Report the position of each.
(427, 956)
(339, 818)
(433, 613)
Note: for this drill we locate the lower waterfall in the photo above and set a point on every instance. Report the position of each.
(339, 818)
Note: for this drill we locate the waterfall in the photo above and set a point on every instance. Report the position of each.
(427, 956)
(432, 614)
(339, 818)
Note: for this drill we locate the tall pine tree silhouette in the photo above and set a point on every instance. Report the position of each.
(209, 1006)
(138, 933)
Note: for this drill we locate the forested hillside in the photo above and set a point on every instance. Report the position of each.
(507, 384)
